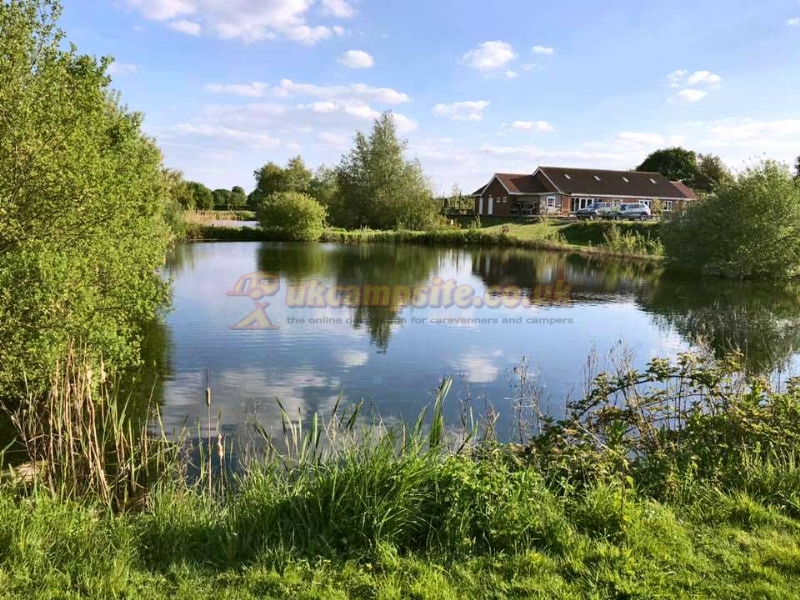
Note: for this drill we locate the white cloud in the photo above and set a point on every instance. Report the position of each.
(462, 111)
(532, 126)
(249, 90)
(704, 77)
(546, 50)
(353, 358)
(510, 74)
(356, 59)
(476, 367)
(490, 56)
(247, 137)
(339, 8)
(119, 68)
(354, 91)
(688, 84)
(793, 22)
(676, 78)
(691, 95)
(247, 20)
(753, 131)
(187, 27)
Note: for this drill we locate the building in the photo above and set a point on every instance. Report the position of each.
(560, 191)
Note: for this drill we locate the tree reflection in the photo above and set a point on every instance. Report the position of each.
(588, 278)
(760, 321)
(358, 265)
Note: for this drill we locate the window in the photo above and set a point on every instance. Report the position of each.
(667, 205)
(551, 202)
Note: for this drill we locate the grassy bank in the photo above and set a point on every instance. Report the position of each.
(635, 240)
(693, 492)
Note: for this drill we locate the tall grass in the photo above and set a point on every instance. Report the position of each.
(650, 480)
(82, 440)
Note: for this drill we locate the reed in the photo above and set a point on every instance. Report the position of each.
(84, 442)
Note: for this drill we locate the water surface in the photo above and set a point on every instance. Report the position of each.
(393, 356)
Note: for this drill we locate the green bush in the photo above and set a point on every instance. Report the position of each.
(83, 197)
(292, 216)
(750, 228)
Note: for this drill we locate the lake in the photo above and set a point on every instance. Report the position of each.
(309, 345)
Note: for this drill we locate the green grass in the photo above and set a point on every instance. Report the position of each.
(708, 508)
(636, 240)
(521, 540)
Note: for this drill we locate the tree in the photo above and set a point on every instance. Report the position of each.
(238, 198)
(676, 164)
(323, 186)
(711, 173)
(273, 179)
(83, 195)
(222, 199)
(797, 169)
(378, 187)
(292, 216)
(202, 196)
(749, 228)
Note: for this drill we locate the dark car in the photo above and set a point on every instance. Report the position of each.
(596, 210)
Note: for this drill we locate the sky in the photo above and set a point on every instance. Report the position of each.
(476, 87)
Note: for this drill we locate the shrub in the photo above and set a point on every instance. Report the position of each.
(83, 227)
(292, 216)
(630, 242)
(750, 228)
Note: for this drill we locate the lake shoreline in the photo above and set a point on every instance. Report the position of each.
(443, 238)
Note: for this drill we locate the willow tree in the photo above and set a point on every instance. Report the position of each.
(82, 200)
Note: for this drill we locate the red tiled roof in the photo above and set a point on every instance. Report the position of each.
(518, 183)
(685, 190)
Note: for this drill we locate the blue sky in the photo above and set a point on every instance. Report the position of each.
(477, 87)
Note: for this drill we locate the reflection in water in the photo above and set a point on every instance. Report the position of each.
(760, 321)
(393, 356)
(359, 266)
(588, 278)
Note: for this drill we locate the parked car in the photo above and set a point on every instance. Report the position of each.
(595, 210)
(638, 211)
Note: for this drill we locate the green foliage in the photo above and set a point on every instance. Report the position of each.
(222, 199)
(202, 197)
(292, 216)
(379, 188)
(749, 228)
(273, 179)
(631, 242)
(323, 186)
(676, 164)
(238, 197)
(82, 205)
(711, 173)
(679, 480)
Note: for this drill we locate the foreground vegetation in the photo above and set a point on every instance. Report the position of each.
(680, 481)
(84, 205)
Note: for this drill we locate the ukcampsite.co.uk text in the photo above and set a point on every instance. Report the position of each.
(439, 293)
